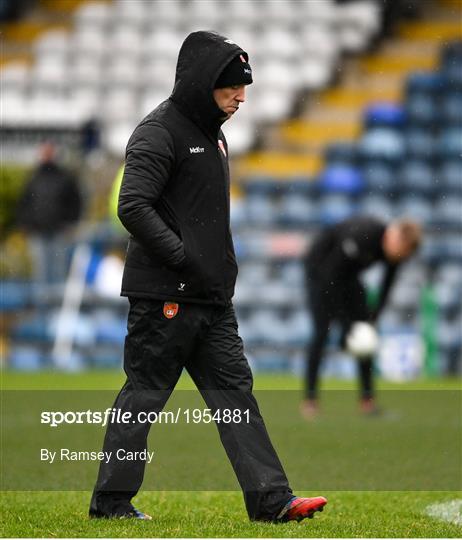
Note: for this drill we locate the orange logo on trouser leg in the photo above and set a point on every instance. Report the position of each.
(170, 309)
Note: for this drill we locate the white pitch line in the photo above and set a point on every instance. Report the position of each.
(450, 511)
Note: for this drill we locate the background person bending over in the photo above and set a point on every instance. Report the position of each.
(333, 266)
(179, 276)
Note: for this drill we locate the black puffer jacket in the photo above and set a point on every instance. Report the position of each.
(174, 198)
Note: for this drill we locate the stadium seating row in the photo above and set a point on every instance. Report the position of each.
(118, 63)
(293, 209)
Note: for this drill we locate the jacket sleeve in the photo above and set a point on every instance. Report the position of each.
(148, 166)
(388, 280)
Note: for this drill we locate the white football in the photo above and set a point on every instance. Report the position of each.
(362, 340)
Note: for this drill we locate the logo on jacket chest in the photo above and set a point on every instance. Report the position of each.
(221, 146)
(196, 150)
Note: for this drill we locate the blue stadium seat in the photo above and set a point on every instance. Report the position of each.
(453, 74)
(420, 144)
(405, 295)
(385, 115)
(449, 273)
(335, 208)
(111, 330)
(380, 178)
(260, 185)
(417, 177)
(26, 358)
(432, 251)
(421, 109)
(299, 185)
(341, 179)
(450, 174)
(415, 207)
(449, 335)
(421, 83)
(82, 330)
(375, 205)
(448, 211)
(450, 143)
(260, 209)
(451, 109)
(297, 209)
(253, 273)
(452, 53)
(298, 328)
(250, 245)
(451, 247)
(447, 296)
(32, 329)
(292, 274)
(341, 154)
(268, 328)
(14, 295)
(382, 143)
(238, 212)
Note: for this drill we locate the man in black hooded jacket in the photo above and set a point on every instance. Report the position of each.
(179, 277)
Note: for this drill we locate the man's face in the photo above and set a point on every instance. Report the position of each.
(228, 99)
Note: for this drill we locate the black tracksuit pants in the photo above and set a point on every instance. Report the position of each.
(204, 340)
(343, 300)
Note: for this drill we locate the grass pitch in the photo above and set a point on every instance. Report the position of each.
(217, 513)
(222, 514)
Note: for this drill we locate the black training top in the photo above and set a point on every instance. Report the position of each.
(341, 252)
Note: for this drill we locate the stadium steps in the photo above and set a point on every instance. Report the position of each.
(23, 30)
(357, 98)
(391, 64)
(16, 57)
(315, 134)
(432, 31)
(17, 41)
(450, 4)
(63, 6)
(283, 165)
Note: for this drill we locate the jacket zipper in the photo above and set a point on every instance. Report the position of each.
(226, 188)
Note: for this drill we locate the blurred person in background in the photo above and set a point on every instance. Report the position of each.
(333, 266)
(11, 10)
(179, 276)
(47, 210)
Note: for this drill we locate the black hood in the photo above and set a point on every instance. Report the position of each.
(203, 56)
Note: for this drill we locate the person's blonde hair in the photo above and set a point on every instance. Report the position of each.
(410, 231)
